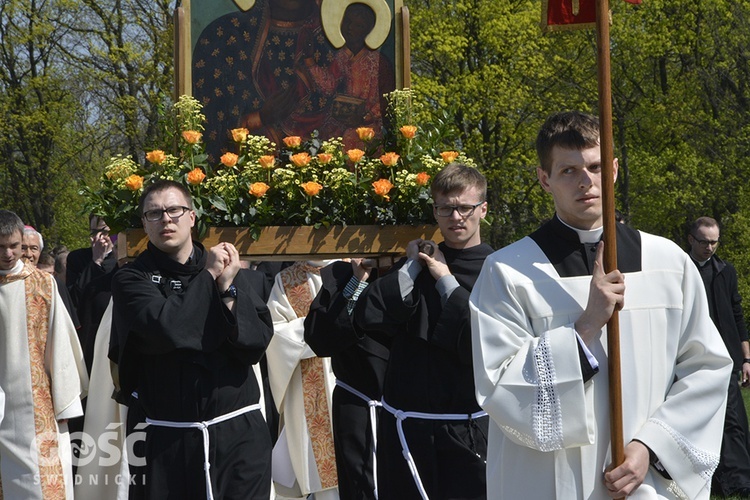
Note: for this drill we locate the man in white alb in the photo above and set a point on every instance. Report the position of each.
(539, 310)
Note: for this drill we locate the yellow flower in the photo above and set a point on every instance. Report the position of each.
(192, 136)
(229, 159)
(120, 168)
(259, 189)
(239, 134)
(156, 156)
(408, 131)
(422, 179)
(449, 156)
(324, 158)
(266, 161)
(195, 176)
(389, 159)
(292, 141)
(382, 187)
(365, 133)
(134, 182)
(311, 188)
(355, 154)
(300, 159)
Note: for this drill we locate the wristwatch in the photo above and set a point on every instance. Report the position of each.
(746, 360)
(229, 293)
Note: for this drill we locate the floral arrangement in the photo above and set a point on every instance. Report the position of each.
(304, 181)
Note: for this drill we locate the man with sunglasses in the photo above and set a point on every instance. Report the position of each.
(732, 476)
(187, 328)
(86, 264)
(432, 436)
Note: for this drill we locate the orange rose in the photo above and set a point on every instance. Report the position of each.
(382, 187)
(239, 134)
(449, 156)
(195, 176)
(229, 159)
(300, 159)
(192, 136)
(292, 141)
(324, 158)
(365, 133)
(311, 188)
(266, 161)
(134, 182)
(156, 156)
(355, 154)
(408, 131)
(389, 159)
(422, 179)
(259, 189)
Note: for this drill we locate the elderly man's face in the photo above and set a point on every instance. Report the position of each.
(31, 247)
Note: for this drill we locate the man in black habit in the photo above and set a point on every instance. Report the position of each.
(86, 264)
(359, 363)
(187, 328)
(430, 415)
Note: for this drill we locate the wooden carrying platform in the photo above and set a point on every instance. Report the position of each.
(300, 242)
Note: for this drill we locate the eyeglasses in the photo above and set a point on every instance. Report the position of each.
(157, 214)
(463, 210)
(104, 231)
(705, 243)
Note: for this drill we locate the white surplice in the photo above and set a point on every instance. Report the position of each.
(102, 472)
(43, 376)
(285, 354)
(549, 431)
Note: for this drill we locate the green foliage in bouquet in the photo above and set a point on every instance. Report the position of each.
(304, 181)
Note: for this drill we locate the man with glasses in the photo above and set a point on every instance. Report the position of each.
(732, 476)
(432, 434)
(187, 328)
(86, 264)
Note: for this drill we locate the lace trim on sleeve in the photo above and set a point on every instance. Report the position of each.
(546, 412)
(703, 462)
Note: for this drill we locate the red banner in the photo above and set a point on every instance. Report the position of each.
(570, 14)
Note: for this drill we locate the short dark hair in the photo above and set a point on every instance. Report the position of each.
(569, 130)
(10, 223)
(704, 221)
(456, 177)
(96, 217)
(163, 185)
(45, 258)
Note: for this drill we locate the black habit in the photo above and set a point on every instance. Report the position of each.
(430, 370)
(189, 359)
(360, 362)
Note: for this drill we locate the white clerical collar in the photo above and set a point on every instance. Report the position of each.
(14, 270)
(587, 235)
(702, 263)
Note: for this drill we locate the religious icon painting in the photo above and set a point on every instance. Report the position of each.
(289, 67)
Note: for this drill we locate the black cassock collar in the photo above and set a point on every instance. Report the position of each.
(571, 258)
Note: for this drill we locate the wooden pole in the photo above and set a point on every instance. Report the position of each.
(405, 48)
(610, 242)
